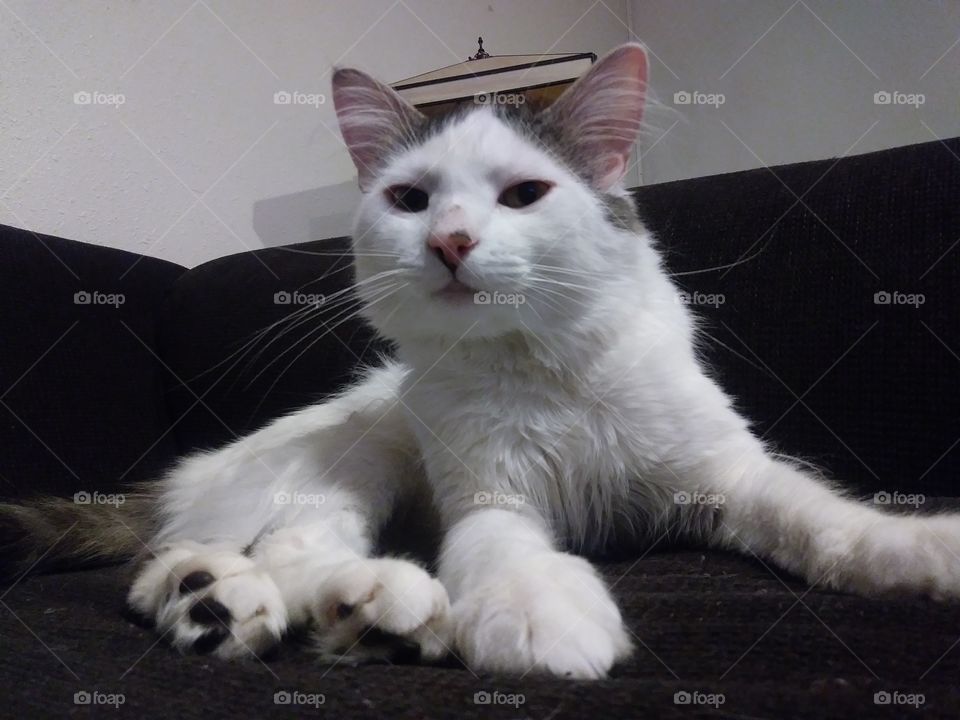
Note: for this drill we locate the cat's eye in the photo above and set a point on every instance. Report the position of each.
(524, 193)
(408, 198)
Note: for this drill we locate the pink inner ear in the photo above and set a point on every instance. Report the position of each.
(362, 143)
(611, 168)
(603, 112)
(372, 117)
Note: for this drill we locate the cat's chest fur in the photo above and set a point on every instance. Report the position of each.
(522, 427)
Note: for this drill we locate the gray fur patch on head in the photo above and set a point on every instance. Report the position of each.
(621, 212)
(528, 122)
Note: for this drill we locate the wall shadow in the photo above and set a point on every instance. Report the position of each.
(315, 214)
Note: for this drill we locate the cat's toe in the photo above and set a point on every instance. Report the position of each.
(382, 609)
(236, 616)
(210, 640)
(196, 580)
(210, 612)
(210, 602)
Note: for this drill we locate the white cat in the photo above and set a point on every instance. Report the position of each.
(548, 396)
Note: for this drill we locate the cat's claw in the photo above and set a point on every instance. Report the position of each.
(382, 608)
(213, 601)
(553, 615)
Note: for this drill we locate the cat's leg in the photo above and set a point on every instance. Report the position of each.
(780, 511)
(276, 529)
(521, 606)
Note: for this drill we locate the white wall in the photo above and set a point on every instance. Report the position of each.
(799, 79)
(199, 162)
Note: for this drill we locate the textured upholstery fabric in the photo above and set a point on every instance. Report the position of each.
(868, 391)
(224, 379)
(81, 403)
(877, 384)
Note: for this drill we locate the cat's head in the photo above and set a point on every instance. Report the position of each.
(495, 219)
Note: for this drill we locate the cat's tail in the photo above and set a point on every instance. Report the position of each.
(55, 533)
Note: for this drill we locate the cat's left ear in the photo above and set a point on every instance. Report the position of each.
(373, 120)
(601, 113)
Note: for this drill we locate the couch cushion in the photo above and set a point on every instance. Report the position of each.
(706, 623)
(80, 386)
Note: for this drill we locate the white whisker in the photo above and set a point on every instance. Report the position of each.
(315, 340)
(351, 311)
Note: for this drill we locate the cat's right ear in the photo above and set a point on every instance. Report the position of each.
(602, 111)
(372, 118)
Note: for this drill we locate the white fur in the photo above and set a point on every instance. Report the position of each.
(580, 412)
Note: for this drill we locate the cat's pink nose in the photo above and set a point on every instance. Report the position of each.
(451, 248)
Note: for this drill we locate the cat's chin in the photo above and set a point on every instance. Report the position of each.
(450, 310)
(456, 292)
(448, 317)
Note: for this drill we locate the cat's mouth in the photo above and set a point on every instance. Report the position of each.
(456, 291)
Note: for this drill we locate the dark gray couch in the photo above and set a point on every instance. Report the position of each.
(93, 396)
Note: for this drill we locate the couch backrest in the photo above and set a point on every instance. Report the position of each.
(827, 371)
(227, 378)
(81, 401)
(811, 338)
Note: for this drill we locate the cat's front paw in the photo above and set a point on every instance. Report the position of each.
(549, 613)
(382, 608)
(207, 600)
(912, 555)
